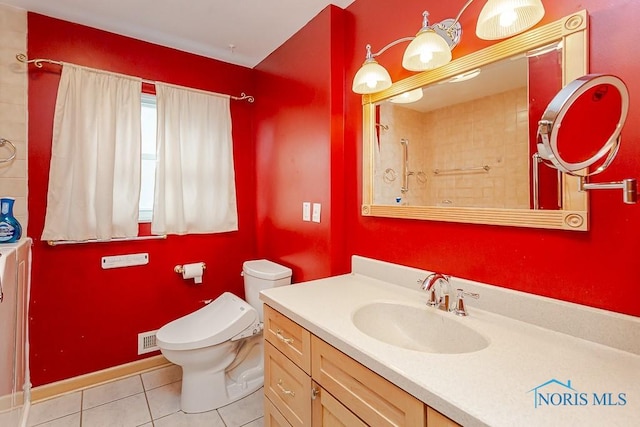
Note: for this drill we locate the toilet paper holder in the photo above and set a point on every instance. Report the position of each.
(180, 269)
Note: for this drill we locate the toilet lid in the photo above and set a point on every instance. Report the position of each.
(265, 269)
(213, 324)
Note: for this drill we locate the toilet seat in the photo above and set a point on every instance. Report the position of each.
(226, 318)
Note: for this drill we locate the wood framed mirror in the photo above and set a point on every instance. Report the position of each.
(434, 176)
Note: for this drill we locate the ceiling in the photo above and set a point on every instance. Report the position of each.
(497, 77)
(241, 32)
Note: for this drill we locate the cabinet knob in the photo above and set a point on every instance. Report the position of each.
(314, 393)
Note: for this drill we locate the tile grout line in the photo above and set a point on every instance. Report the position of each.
(81, 406)
(146, 398)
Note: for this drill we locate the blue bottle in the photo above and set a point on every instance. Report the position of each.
(10, 228)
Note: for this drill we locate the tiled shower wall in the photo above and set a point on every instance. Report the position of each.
(13, 108)
(491, 131)
(397, 123)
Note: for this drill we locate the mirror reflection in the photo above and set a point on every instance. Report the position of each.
(465, 141)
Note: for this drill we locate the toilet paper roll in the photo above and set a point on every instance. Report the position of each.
(193, 271)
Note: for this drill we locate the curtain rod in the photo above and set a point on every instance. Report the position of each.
(115, 239)
(38, 63)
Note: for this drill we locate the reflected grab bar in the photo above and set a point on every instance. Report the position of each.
(485, 168)
(12, 150)
(406, 173)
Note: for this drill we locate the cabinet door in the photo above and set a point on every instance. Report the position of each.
(373, 399)
(436, 419)
(273, 417)
(287, 387)
(287, 336)
(328, 412)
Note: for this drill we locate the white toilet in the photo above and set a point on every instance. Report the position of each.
(220, 346)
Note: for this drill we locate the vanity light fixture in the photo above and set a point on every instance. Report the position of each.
(500, 19)
(431, 47)
(408, 97)
(371, 77)
(465, 76)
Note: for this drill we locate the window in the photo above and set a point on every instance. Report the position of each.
(148, 164)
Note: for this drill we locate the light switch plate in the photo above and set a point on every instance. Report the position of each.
(315, 216)
(306, 211)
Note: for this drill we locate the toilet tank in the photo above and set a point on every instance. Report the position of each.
(262, 274)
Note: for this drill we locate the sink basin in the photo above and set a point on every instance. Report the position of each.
(422, 329)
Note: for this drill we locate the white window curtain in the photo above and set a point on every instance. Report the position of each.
(195, 182)
(94, 180)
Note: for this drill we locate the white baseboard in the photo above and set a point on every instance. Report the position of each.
(11, 401)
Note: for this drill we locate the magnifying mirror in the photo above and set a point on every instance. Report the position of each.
(579, 133)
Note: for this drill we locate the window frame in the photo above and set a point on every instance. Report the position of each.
(147, 100)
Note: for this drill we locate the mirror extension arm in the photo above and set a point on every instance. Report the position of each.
(629, 188)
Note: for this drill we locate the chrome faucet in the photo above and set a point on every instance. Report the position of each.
(429, 285)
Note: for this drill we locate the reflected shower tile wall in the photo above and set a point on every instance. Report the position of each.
(453, 137)
(407, 124)
(13, 107)
(465, 136)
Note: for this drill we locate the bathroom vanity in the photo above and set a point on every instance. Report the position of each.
(309, 382)
(364, 349)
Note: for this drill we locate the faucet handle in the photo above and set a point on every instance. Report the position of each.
(459, 309)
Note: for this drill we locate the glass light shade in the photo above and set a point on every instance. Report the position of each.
(426, 52)
(500, 19)
(370, 78)
(407, 97)
(465, 76)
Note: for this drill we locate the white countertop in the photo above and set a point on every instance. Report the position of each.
(487, 387)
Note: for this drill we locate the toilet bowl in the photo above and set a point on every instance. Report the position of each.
(219, 346)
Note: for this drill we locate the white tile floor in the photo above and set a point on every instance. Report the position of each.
(149, 399)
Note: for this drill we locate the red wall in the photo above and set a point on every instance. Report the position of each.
(300, 149)
(306, 126)
(597, 268)
(84, 318)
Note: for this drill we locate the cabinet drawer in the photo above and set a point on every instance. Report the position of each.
(372, 398)
(287, 387)
(273, 417)
(287, 336)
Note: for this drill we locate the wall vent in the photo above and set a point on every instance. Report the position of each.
(147, 342)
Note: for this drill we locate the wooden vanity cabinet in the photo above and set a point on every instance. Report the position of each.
(375, 400)
(287, 370)
(328, 411)
(310, 383)
(436, 419)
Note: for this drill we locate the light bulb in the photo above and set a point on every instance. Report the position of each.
(371, 81)
(508, 17)
(426, 56)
